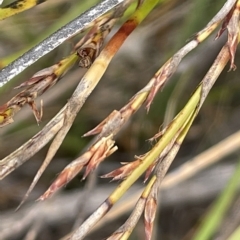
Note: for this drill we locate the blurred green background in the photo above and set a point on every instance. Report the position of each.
(164, 31)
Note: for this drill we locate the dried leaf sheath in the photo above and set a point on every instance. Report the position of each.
(89, 47)
(168, 69)
(150, 210)
(91, 159)
(233, 34)
(126, 229)
(124, 171)
(35, 86)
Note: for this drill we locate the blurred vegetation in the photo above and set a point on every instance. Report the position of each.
(164, 31)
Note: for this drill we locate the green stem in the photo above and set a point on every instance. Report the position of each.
(215, 215)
